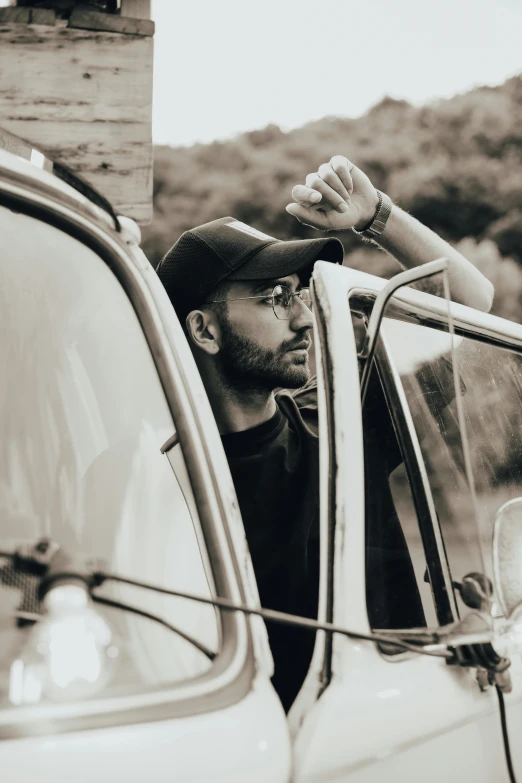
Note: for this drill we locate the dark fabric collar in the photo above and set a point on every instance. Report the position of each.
(238, 444)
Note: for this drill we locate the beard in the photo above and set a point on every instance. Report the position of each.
(247, 366)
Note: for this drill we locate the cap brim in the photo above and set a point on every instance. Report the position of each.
(280, 258)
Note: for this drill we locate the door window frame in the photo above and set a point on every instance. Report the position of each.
(431, 534)
(361, 304)
(472, 324)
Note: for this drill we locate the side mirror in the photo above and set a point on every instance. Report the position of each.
(507, 556)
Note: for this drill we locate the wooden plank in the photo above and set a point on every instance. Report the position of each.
(27, 15)
(15, 15)
(85, 19)
(43, 16)
(85, 98)
(139, 9)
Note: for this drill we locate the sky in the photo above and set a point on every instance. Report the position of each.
(222, 67)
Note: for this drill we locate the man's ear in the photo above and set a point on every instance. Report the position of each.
(203, 331)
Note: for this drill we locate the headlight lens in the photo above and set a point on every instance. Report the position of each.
(70, 654)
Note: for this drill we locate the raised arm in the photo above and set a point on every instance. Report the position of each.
(340, 196)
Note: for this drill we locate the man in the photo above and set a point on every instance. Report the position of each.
(242, 298)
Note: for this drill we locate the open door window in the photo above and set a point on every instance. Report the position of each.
(411, 390)
(454, 401)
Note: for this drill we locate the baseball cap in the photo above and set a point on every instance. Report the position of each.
(227, 249)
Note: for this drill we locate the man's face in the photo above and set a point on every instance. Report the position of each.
(258, 350)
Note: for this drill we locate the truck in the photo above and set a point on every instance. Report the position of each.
(133, 644)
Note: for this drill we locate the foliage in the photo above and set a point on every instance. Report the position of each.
(455, 164)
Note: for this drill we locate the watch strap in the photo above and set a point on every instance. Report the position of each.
(382, 213)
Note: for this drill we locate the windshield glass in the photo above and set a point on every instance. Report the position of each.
(83, 417)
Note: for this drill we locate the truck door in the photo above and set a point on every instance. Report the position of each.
(403, 533)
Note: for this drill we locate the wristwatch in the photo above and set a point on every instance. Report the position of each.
(382, 213)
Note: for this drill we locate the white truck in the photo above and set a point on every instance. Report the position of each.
(110, 453)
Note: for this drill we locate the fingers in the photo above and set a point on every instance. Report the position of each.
(305, 196)
(330, 176)
(308, 215)
(343, 168)
(330, 196)
(330, 187)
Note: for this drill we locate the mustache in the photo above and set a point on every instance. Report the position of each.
(302, 340)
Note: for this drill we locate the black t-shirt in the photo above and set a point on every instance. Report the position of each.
(275, 468)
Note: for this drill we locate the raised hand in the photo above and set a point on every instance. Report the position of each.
(337, 196)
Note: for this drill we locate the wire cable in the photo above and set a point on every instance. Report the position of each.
(142, 613)
(505, 735)
(271, 615)
(96, 578)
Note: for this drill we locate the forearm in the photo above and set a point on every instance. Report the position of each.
(413, 244)
(340, 196)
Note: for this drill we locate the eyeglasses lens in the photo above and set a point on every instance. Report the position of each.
(281, 302)
(306, 297)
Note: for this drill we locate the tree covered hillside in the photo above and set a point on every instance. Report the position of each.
(455, 164)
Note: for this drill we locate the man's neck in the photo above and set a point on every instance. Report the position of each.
(236, 411)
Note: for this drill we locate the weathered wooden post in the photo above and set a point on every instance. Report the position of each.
(76, 83)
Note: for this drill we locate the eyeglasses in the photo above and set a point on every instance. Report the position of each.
(281, 299)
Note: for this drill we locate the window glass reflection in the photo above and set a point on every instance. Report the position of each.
(83, 418)
(491, 385)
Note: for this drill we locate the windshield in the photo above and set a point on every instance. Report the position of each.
(83, 418)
